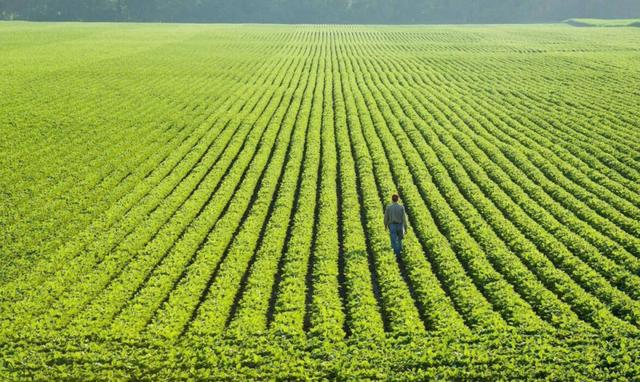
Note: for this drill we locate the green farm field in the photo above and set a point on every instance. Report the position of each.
(205, 202)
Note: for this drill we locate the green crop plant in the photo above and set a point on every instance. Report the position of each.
(186, 202)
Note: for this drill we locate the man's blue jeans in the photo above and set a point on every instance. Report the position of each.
(397, 232)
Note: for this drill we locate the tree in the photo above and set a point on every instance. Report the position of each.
(319, 11)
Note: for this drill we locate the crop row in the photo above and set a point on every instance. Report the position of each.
(257, 208)
(387, 72)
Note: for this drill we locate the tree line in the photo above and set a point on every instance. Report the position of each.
(318, 11)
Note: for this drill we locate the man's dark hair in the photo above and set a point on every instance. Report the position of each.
(395, 197)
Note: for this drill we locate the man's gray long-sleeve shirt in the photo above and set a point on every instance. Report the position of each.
(395, 213)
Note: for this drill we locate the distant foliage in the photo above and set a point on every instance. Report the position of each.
(605, 23)
(318, 11)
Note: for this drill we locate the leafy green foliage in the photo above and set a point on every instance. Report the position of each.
(204, 201)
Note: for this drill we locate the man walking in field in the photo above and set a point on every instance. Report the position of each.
(395, 220)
